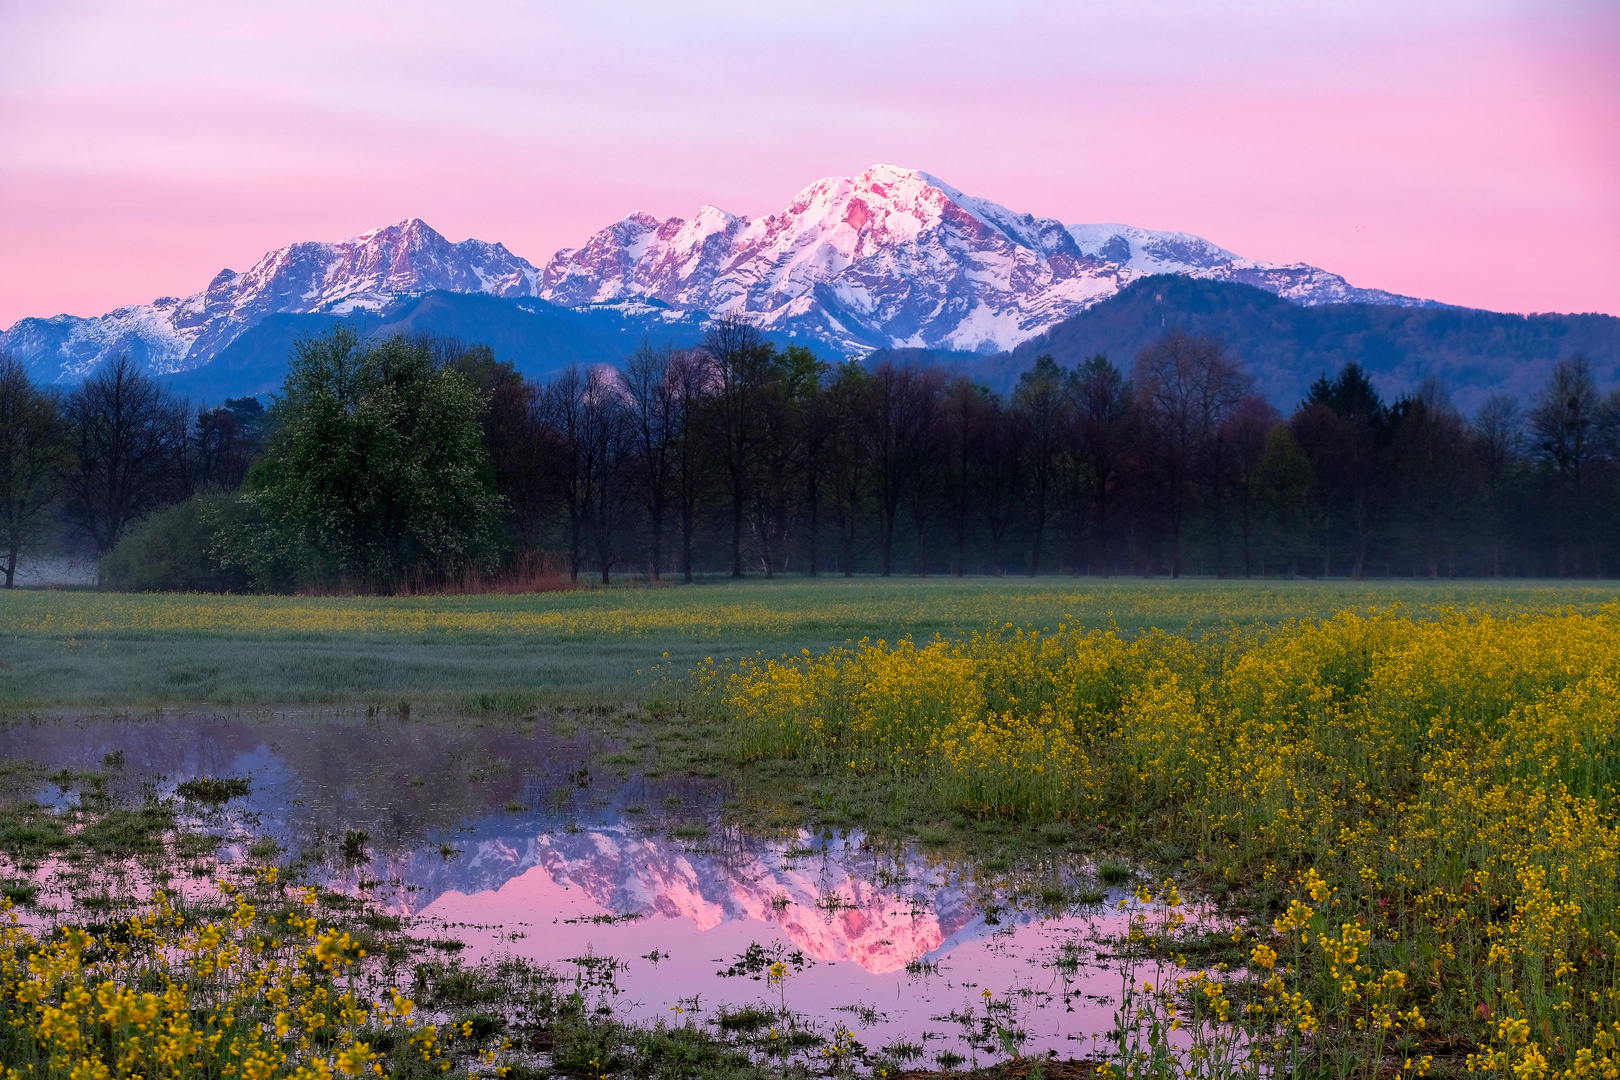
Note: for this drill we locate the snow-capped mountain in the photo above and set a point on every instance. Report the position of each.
(1141, 252)
(890, 258)
(365, 272)
(619, 870)
(898, 258)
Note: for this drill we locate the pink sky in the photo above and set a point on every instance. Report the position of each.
(1468, 152)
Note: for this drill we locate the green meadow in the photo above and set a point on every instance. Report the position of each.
(72, 650)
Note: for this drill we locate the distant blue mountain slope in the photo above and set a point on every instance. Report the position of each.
(1287, 346)
(1284, 345)
(539, 338)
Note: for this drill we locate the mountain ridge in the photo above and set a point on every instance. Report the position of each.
(890, 258)
(1286, 346)
(368, 271)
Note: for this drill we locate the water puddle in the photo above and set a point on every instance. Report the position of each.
(896, 949)
(513, 842)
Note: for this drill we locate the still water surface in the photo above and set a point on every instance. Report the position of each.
(518, 842)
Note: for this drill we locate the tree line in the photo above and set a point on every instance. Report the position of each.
(426, 459)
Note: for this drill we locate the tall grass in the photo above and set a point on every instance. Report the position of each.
(1438, 795)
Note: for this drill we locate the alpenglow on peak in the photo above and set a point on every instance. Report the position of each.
(889, 258)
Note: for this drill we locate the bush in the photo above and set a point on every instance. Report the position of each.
(172, 551)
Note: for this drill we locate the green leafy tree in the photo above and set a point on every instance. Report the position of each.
(1343, 427)
(377, 470)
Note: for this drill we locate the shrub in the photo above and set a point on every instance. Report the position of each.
(173, 551)
(205, 789)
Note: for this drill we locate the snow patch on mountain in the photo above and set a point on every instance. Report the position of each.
(366, 272)
(1141, 252)
(891, 258)
(899, 258)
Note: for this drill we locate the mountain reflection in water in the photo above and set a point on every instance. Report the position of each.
(500, 835)
(820, 899)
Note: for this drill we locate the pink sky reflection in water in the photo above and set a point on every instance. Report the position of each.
(696, 913)
(556, 887)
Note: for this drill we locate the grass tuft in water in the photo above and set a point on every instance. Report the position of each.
(212, 792)
(1114, 873)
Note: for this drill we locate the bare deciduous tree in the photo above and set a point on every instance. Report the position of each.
(848, 466)
(130, 437)
(573, 470)
(34, 461)
(739, 357)
(691, 380)
(651, 379)
(900, 408)
(959, 433)
(1189, 385)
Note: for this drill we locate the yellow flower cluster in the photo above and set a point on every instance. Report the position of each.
(548, 617)
(1442, 789)
(246, 996)
(754, 610)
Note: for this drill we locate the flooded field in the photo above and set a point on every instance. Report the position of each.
(509, 839)
(999, 849)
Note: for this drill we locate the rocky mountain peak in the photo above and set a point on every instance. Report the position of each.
(891, 257)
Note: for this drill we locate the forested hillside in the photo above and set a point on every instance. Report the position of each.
(1287, 347)
(537, 338)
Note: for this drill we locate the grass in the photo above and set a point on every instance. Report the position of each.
(87, 650)
(212, 792)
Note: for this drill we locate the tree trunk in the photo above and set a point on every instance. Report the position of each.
(736, 534)
(686, 547)
(657, 544)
